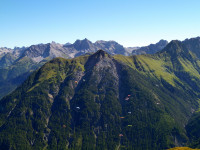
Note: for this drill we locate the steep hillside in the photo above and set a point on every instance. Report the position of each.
(101, 101)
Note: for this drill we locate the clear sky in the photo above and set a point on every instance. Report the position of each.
(129, 22)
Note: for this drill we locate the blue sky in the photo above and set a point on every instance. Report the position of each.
(129, 22)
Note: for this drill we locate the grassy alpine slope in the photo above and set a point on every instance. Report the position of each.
(103, 102)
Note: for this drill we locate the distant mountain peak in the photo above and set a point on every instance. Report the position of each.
(150, 49)
(174, 44)
(85, 39)
(175, 48)
(162, 42)
(66, 44)
(82, 41)
(195, 38)
(82, 44)
(102, 42)
(193, 45)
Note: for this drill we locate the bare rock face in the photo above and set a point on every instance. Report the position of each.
(5, 50)
(79, 47)
(84, 45)
(112, 47)
(103, 64)
(37, 51)
(42, 51)
(48, 51)
(16, 52)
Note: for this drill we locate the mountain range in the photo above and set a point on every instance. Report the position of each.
(16, 64)
(103, 101)
(79, 47)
